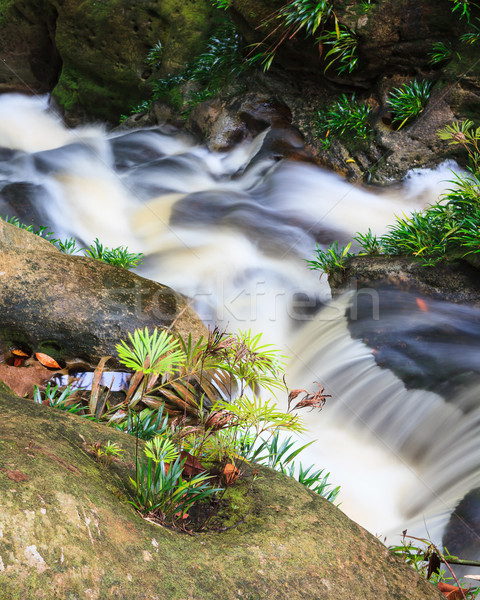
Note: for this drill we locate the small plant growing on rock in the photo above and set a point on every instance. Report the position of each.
(345, 118)
(331, 260)
(343, 54)
(408, 101)
(369, 242)
(296, 16)
(119, 257)
(105, 453)
(55, 397)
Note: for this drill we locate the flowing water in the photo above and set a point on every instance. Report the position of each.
(232, 231)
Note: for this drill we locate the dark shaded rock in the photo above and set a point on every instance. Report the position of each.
(462, 534)
(422, 323)
(225, 123)
(72, 307)
(69, 532)
(24, 200)
(92, 54)
(453, 282)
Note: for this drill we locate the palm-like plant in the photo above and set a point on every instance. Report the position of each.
(158, 352)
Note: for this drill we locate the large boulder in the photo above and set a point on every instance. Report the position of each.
(92, 54)
(457, 282)
(393, 37)
(77, 308)
(68, 531)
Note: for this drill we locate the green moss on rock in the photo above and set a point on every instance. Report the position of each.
(65, 530)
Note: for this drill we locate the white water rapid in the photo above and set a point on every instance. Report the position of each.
(232, 231)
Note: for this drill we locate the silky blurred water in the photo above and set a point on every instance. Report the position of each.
(232, 231)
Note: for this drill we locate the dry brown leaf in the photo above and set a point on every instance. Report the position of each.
(16, 476)
(294, 393)
(230, 473)
(452, 592)
(192, 465)
(47, 361)
(21, 380)
(219, 420)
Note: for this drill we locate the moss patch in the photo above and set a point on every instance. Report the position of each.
(65, 529)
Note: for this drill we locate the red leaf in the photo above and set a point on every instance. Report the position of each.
(422, 305)
(47, 361)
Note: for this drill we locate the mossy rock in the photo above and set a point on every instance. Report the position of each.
(92, 54)
(78, 308)
(68, 531)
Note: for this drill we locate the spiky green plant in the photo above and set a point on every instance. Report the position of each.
(119, 257)
(296, 16)
(369, 243)
(57, 397)
(343, 53)
(345, 118)
(442, 52)
(408, 101)
(161, 491)
(220, 62)
(331, 260)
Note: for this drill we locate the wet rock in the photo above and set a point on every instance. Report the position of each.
(453, 282)
(68, 530)
(77, 308)
(226, 123)
(463, 530)
(422, 323)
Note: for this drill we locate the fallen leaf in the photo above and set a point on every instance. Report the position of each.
(19, 352)
(422, 305)
(192, 465)
(22, 380)
(452, 592)
(17, 476)
(230, 473)
(47, 361)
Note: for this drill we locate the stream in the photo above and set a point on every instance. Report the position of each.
(232, 231)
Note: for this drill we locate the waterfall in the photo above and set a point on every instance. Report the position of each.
(232, 231)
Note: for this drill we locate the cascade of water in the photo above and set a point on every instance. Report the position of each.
(232, 231)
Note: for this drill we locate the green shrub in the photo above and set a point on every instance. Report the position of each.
(331, 260)
(446, 230)
(119, 257)
(408, 101)
(296, 16)
(218, 64)
(343, 53)
(345, 118)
